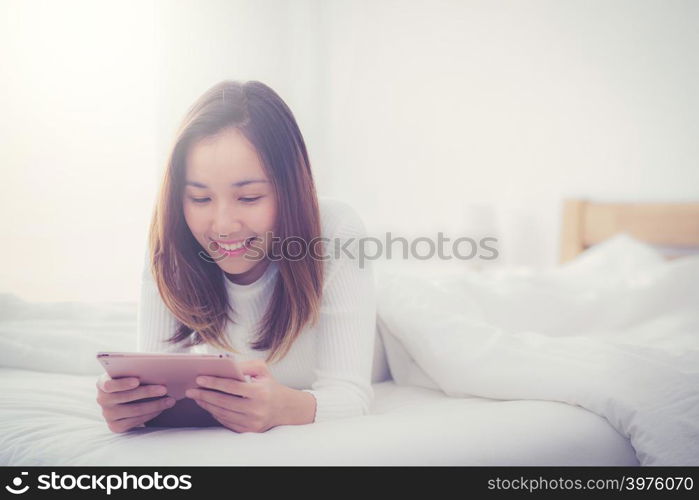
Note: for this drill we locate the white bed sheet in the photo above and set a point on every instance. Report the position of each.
(53, 419)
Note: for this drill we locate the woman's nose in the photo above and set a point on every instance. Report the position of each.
(226, 223)
(227, 228)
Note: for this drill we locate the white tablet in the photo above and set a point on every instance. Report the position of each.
(177, 372)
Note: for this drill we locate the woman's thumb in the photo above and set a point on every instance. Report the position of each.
(255, 368)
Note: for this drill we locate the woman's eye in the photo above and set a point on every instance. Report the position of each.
(244, 200)
(199, 200)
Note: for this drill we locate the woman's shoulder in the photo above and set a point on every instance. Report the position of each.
(339, 219)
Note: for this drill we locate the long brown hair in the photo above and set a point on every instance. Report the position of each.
(194, 289)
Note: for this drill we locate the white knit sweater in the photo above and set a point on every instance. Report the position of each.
(332, 360)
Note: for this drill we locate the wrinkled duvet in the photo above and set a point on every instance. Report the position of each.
(615, 331)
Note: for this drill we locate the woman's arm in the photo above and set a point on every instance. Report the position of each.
(298, 407)
(347, 326)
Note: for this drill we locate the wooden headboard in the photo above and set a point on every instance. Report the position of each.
(673, 227)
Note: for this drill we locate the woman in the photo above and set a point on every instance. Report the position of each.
(244, 257)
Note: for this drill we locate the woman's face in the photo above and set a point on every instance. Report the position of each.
(228, 199)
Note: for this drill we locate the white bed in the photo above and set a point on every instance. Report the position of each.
(52, 419)
(436, 407)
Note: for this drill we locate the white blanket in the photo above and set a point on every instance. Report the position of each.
(616, 331)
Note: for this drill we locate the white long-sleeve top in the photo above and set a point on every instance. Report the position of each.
(331, 360)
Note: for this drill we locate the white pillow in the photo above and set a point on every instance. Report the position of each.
(63, 337)
(404, 369)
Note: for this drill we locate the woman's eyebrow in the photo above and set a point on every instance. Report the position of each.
(235, 184)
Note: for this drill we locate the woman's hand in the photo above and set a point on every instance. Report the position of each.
(254, 406)
(115, 396)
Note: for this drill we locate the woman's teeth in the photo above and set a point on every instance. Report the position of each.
(232, 248)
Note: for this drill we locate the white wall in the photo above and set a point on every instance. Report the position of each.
(467, 117)
(438, 110)
(76, 142)
(199, 44)
(92, 94)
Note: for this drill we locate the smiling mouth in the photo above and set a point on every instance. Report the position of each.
(232, 247)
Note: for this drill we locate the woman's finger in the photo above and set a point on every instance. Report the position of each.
(126, 410)
(124, 424)
(140, 392)
(223, 416)
(227, 385)
(225, 401)
(256, 368)
(107, 384)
